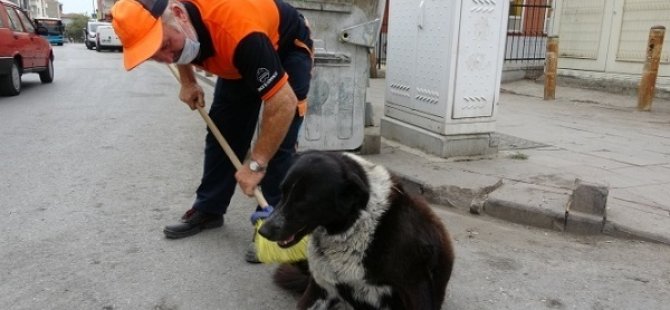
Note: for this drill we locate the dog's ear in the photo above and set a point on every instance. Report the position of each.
(294, 157)
(356, 181)
(356, 192)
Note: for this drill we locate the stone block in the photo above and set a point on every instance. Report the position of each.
(589, 198)
(372, 142)
(445, 146)
(477, 204)
(528, 204)
(584, 224)
(369, 115)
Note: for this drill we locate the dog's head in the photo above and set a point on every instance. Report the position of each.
(321, 189)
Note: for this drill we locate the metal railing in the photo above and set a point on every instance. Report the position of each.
(527, 30)
(380, 50)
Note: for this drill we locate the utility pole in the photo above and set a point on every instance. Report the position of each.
(551, 68)
(650, 70)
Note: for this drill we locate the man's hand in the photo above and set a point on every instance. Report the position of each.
(248, 179)
(192, 95)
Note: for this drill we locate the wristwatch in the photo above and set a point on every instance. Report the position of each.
(255, 166)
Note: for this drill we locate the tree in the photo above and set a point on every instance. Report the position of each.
(75, 29)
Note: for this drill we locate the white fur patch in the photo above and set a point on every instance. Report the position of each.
(339, 259)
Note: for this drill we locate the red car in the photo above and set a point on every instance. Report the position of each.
(22, 49)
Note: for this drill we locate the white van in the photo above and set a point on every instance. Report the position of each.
(91, 31)
(106, 38)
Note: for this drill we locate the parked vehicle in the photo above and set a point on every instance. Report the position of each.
(55, 28)
(106, 38)
(90, 32)
(22, 49)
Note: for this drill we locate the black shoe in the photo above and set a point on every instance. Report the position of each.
(192, 223)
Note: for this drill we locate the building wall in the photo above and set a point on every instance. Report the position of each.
(610, 35)
(53, 9)
(104, 8)
(36, 8)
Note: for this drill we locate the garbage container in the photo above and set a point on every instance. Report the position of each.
(344, 32)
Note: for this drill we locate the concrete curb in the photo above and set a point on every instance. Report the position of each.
(446, 195)
(629, 220)
(531, 205)
(628, 87)
(625, 231)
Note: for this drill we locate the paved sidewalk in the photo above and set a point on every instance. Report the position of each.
(544, 146)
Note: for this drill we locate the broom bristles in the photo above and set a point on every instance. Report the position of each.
(269, 252)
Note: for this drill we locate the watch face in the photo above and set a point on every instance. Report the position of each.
(255, 166)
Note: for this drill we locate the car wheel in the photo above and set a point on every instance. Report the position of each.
(10, 84)
(47, 76)
(88, 45)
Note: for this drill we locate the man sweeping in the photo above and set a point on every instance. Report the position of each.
(261, 51)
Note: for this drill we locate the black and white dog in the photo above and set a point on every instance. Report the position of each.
(372, 246)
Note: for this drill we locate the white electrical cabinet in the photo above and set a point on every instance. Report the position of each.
(444, 64)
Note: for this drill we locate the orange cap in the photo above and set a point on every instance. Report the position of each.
(138, 25)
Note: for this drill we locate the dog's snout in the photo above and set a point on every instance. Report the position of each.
(271, 228)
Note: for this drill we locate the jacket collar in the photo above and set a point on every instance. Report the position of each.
(205, 39)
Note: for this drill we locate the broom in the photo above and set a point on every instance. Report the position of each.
(266, 250)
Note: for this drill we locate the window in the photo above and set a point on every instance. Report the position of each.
(548, 17)
(27, 24)
(14, 20)
(2, 22)
(515, 22)
(529, 17)
(54, 26)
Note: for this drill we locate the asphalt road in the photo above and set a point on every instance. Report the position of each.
(93, 165)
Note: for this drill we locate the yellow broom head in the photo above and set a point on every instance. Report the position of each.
(269, 252)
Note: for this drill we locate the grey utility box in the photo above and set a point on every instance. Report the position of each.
(343, 31)
(443, 74)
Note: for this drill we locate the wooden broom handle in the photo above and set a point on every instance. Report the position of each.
(222, 141)
(229, 151)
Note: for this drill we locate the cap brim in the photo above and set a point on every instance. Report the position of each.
(143, 50)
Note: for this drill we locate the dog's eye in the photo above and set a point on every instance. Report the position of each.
(290, 194)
